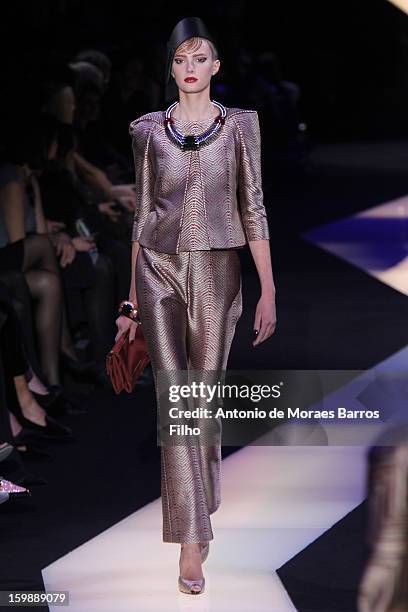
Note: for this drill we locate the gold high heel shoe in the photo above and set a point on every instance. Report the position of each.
(187, 586)
(190, 586)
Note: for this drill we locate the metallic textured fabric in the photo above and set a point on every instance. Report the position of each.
(198, 200)
(189, 304)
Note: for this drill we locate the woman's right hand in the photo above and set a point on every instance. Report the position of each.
(68, 253)
(64, 248)
(83, 243)
(123, 324)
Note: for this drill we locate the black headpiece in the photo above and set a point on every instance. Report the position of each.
(185, 29)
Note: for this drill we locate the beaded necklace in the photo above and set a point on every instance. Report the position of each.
(191, 142)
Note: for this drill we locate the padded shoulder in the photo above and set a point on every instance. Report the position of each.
(247, 122)
(232, 112)
(147, 121)
(244, 116)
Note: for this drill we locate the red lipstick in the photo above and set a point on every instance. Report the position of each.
(190, 79)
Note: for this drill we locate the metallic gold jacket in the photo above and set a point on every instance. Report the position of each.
(211, 198)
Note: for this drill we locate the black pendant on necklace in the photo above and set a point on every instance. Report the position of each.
(189, 143)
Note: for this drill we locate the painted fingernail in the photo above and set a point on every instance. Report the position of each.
(256, 332)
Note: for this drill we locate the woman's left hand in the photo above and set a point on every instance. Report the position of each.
(265, 319)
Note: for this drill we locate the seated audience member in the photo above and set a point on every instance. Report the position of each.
(95, 270)
(28, 264)
(59, 101)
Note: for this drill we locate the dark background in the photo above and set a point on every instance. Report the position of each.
(350, 58)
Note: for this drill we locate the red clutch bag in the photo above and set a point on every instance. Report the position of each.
(126, 361)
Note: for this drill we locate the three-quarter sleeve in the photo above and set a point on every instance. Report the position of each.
(144, 175)
(250, 191)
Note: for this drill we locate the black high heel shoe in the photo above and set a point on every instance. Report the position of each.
(35, 453)
(47, 399)
(29, 437)
(52, 429)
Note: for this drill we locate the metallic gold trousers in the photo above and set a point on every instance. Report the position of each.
(189, 304)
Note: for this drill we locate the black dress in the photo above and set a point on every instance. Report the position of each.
(12, 253)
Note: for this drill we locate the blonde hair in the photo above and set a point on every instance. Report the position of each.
(194, 43)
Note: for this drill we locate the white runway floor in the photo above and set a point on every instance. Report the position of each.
(276, 500)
